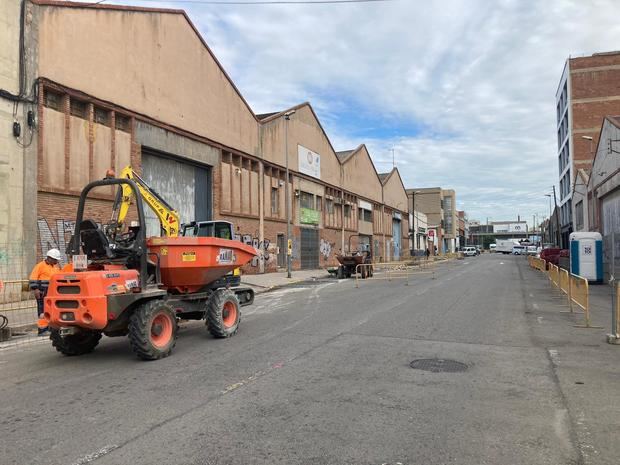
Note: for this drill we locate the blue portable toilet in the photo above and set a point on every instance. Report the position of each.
(586, 255)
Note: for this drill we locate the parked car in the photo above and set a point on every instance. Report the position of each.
(551, 255)
(531, 250)
(469, 251)
(564, 259)
(492, 248)
(518, 250)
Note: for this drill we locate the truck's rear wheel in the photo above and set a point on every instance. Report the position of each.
(75, 344)
(153, 330)
(223, 313)
(340, 272)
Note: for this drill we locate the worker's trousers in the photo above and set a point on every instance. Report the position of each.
(40, 308)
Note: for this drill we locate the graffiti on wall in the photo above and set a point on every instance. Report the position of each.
(326, 248)
(55, 237)
(266, 251)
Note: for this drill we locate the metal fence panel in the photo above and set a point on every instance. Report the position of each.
(18, 309)
(611, 255)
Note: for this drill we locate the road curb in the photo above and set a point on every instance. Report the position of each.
(275, 287)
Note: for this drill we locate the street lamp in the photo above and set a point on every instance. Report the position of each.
(590, 139)
(550, 215)
(287, 117)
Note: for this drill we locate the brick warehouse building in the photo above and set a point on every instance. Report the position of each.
(588, 91)
(115, 89)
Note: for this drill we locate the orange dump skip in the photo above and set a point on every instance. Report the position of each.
(190, 263)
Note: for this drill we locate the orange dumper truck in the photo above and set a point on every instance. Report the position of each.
(124, 284)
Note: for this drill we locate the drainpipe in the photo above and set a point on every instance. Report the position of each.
(342, 219)
(261, 201)
(342, 213)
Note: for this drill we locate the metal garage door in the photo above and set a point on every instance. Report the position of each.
(610, 213)
(364, 243)
(610, 218)
(282, 249)
(185, 186)
(309, 248)
(396, 238)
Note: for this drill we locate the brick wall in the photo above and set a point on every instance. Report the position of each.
(607, 59)
(595, 93)
(56, 219)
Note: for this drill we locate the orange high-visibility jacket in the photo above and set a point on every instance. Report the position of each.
(43, 272)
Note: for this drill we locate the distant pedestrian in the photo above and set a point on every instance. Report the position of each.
(435, 251)
(40, 279)
(427, 253)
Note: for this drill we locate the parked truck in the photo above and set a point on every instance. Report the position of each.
(505, 245)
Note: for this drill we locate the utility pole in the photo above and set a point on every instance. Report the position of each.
(287, 117)
(549, 222)
(557, 219)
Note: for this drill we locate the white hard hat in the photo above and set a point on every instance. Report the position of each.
(53, 253)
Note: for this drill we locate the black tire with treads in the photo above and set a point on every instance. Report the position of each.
(215, 317)
(75, 344)
(140, 327)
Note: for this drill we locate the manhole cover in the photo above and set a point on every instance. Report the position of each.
(438, 365)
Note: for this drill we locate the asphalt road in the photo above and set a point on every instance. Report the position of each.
(318, 374)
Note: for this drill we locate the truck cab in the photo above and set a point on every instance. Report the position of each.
(219, 229)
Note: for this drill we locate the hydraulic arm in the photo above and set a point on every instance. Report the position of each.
(168, 216)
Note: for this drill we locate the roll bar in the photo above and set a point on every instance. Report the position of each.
(139, 245)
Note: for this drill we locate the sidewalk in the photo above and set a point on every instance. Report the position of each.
(268, 281)
(601, 305)
(583, 363)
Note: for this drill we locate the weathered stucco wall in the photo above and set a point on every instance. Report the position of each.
(11, 154)
(394, 194)
(360, 177)
(305, 130)
(152, 63)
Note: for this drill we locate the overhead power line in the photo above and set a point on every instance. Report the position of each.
(258, 2)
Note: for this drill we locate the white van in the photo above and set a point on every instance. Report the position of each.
(469, 251)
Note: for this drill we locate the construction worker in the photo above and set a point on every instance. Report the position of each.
(40, 278)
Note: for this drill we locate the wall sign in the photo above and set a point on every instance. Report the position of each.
(510, 228)
(309, 216)
(309, 162)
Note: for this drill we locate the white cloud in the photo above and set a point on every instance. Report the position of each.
(479, 76)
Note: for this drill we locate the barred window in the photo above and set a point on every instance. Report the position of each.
(122, 122)
(102, 116)
(52, 100)
(79, 109)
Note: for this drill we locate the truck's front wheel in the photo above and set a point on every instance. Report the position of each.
(223, 313)
(153, 330)
(75, 344)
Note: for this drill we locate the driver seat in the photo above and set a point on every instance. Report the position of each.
(94, 242)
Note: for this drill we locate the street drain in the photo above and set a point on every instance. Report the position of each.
(438, 365)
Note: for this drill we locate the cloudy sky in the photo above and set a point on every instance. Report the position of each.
(462, 91)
